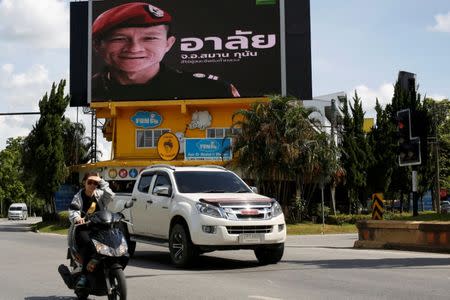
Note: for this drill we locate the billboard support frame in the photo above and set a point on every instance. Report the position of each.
(283, 48)
(89, 54)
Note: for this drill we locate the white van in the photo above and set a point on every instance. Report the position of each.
(18, 211)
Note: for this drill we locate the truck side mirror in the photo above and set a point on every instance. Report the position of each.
(129, 204)
(254, 189)
(162, 190)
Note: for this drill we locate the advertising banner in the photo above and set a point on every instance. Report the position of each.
(207, 149)
(178, 49)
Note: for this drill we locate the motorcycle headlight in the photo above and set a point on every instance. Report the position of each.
(276, 209)
(209, 210)
(110, 251)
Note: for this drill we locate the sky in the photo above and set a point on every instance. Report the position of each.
(356, 45)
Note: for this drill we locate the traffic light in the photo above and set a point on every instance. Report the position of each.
(403, 126)
(408, 146)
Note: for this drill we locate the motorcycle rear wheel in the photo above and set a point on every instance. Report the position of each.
(118, 285)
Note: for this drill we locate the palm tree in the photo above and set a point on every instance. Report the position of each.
(277, 146)
(78, 148)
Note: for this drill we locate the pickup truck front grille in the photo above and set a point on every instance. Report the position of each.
(249, 229)
(254, 211)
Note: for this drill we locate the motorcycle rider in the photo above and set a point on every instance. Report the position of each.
(95, 196)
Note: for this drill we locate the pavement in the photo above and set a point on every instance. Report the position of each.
(18, 225)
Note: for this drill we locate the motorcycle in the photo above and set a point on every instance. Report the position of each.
(105, 274)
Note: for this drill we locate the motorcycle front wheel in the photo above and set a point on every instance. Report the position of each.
(118, 285)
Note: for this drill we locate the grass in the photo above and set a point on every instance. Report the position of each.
(310, 228)
(50, 227)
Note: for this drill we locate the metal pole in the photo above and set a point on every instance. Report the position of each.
(436, 145)
(283, 48)
(438, 185)
(323, 212)
(414, 190)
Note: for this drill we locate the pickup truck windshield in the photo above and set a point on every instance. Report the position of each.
(209, 182)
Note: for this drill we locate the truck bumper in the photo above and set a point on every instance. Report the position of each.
(214, 232)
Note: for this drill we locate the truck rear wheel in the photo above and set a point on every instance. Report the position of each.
(269, 254)
(182, 251)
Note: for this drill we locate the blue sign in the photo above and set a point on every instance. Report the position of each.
(207, 149)
(64, 196)
(147, 119)
(133, 173)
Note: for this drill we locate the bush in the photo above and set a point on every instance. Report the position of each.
(318, 211)
(349, 219)
(64, 219)
(61, 218)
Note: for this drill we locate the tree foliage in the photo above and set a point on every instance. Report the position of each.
(77, 146)
(280, 147)
(44, 147)
(356, 156)
(12, 187)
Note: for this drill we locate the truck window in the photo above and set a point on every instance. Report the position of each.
(144, 183)
(122, 186)
(209, 182)
(162, 180)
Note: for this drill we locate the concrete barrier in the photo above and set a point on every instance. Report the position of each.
(404, 235)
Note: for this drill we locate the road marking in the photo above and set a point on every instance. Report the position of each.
(263, 297)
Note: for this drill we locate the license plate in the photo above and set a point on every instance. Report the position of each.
(250, 238)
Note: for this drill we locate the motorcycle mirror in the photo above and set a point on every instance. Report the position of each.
(129, 204)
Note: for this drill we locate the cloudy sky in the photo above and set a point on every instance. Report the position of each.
(356, 45)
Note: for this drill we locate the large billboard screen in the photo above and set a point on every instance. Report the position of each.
(219, 49)
(178, 49)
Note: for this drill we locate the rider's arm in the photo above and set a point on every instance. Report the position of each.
(75, 215)
(107, 195)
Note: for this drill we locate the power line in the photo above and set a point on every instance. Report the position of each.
(20, 113)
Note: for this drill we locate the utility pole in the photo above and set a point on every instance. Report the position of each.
(437, 175)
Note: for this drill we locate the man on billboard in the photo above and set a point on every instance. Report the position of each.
(132, 40)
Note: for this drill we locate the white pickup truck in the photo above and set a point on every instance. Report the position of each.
(193, 210)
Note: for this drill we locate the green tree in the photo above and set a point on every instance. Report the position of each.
(77, 146)
(383, 143)
(279, 146)
(12, 188)
(439, 112)
(356, 156)
(420, 119)
(43, 154)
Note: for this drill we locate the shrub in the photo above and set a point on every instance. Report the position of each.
(349, 219)
(63, 219)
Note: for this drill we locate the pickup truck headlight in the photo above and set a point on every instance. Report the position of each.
(276, 209)
(209, 210)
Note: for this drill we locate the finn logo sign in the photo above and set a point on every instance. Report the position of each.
(147, 119)
(207, 149)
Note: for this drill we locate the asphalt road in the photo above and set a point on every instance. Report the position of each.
(313, 267)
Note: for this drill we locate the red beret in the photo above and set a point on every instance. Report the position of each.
(129, 15)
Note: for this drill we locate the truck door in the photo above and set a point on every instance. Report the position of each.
(159, 217)
(142, 202)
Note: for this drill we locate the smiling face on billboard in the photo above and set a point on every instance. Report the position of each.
(134, 53)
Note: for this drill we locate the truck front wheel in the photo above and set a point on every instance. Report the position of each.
(269, 254)
(182, 251)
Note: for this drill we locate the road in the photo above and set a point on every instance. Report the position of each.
(313, 267)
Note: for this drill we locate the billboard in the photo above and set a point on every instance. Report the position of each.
(212, 49)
